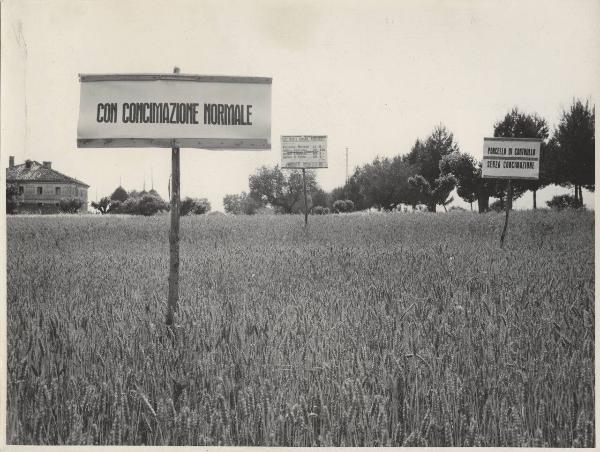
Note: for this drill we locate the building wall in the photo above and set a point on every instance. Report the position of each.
(49, 197)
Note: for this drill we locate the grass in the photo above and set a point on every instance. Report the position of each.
(366, 330)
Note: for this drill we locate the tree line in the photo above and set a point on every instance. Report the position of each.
(434, 167)
(146, 203)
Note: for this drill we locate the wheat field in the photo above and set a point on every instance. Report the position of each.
(364, 330)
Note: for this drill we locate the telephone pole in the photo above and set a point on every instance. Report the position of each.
(346, 165)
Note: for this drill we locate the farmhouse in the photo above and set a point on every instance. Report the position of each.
(40, 188)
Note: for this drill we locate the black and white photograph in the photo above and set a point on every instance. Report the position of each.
(312, 223)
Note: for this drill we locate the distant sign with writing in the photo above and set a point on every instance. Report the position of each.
(511, 158)
(174, 110)
(304, 151)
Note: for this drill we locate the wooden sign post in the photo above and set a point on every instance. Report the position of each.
(510, 158)
(305, 200)
(173, 297)
(304, 152)
(508, 208)
(171, 111)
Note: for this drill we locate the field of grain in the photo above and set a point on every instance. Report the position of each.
(366, 330)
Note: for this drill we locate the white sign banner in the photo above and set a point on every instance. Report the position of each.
(304, 151)
(174, 110)
(511, 158)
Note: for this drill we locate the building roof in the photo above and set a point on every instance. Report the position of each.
(39, 173)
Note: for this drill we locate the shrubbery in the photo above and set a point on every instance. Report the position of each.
(241, 204)
(194, 206)
(70, 205)
(561, 202)
(497, 206)
(134, 203)
(343, 206)
(11, 193)
(320, 210)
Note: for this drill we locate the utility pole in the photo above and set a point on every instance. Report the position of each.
(346, 165)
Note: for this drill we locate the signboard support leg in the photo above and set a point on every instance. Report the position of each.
(305, 201)
(173, 300)
(508, 206)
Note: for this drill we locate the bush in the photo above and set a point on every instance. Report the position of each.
(561, 202)
(497, 206)
(11, 194)
(341, 206)
(103, 206)
(130, 206)
(115, 207)
(194, 206)
(320, 210)
(241, 204)
(71, 205)
(149, 205)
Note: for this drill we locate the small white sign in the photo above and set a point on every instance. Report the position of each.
(511, 158)
(304, 151)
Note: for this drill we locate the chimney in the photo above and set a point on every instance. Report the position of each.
(28, 164)
(11, 161)
(48, 165)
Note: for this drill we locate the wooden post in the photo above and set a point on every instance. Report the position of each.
(305, 201)
(508, 207)
(173, 300)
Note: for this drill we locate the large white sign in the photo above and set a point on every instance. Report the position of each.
(511, 158)
(304, 151)
(174, 110)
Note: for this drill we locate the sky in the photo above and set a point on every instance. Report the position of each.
(372, 76)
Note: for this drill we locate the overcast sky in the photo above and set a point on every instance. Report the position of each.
(372, 76)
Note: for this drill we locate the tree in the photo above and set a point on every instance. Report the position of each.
(232, 204)
(436, 193)
(103, 206)
(575, 140)
(382, 184)
(120, 194)
(241, 204)
(282, 191)
(517, 124)
(426, 156)
(464, 168)
(187, 205)
(194, 206)
(148, 205)
(321, 198)
(375, 184)
(70, 205)
(11, 194)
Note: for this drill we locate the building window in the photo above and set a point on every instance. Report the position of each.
(57, 191)
(21, 189)
(39, 190)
